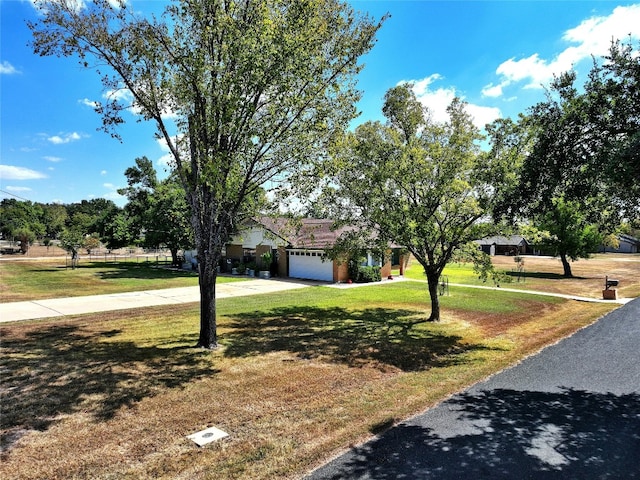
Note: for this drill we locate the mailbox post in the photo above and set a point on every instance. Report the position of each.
(610, 293)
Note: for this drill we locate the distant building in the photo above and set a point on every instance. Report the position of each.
(501, 245)
(628, 244)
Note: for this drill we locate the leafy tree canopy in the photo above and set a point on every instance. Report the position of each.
(581, 163)
(417, 183)
(244, 92)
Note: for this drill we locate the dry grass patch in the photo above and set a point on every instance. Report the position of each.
(544, 273)
(113, 396)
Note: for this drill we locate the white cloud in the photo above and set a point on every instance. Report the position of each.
(103, 172)
(591, 38)
(7, 69)
(167, 159)
(437, 100)
(11, 188)
(50, 158)
(118, 3)
(124, 96)
(492, 90)
(75, 5)
(120, 95)
(11, 172)
(483, 115)
(88, 103)
(112, 193)
(65, 138)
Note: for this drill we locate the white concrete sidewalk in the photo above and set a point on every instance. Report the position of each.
(59, 307)
(620, 301)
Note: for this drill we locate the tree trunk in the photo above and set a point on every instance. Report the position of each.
(432, 281)
(566, 265)
(174, 257)
(207, 281)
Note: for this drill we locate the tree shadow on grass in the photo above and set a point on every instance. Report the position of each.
(544, 276)
(148, 271)
(376, 336)
(48, 373)
(507, 434)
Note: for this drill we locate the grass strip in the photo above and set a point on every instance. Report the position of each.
(297, 378)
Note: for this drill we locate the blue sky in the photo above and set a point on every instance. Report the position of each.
(496, 55)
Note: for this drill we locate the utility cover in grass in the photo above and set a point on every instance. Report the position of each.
(207, 436)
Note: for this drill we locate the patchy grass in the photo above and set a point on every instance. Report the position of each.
(545, 274)
(297, 378)
(35, 280)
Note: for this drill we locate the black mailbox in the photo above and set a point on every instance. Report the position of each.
(610, 282)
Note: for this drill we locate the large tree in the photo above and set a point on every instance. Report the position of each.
(256, 87)
(579, 179)
(419, 184)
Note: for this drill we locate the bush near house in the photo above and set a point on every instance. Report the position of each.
(360, 274)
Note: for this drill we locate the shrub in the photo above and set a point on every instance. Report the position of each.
(360, 274)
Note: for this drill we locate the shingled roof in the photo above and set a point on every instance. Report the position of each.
(312, 233)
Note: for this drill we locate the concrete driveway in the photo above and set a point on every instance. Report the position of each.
(58, 307)
(570, 412)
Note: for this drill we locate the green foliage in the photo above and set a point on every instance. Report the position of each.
(571, 235)
(91, 243)
(266, 258)
(19, 217)
(157, 209)
(579, 179)
(365, 274)
(25, 236)
(417, 183)
(256, 89)
(613, 101)
(119, 231)
(54, 217)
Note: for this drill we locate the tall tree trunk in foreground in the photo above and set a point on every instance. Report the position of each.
(208, 324)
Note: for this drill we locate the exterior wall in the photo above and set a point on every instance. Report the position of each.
(340, 271)
(235, 252)
(254, 236)
(283, 265)
(385, 270)
(404, 262)
(625, 247)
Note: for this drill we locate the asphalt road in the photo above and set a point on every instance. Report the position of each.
(570, 412)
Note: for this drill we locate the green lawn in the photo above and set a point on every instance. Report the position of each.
(300, 376)
(455, 272)
(32, 280)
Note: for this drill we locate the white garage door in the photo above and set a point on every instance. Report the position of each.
(309, 265)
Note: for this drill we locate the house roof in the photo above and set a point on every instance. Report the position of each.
(623, 237)
(312, 233)
(502, 240)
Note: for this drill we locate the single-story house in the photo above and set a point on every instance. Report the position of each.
(297, 247)
(502, 245)
(628, 244)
